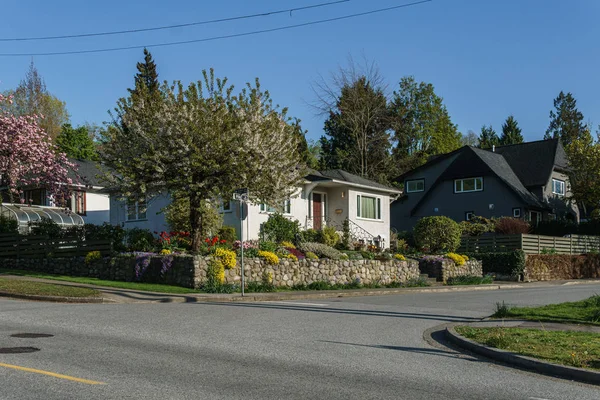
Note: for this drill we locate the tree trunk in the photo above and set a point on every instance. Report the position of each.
(196, 225)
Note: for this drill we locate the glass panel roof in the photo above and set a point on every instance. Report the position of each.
(26, 214)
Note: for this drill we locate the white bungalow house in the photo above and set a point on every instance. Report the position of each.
(89, 202)
(326, 198)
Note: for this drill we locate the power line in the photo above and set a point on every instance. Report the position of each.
(213, 21)
(213, 38)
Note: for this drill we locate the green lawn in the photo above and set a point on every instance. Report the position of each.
(17, 286)
(148, 287)
(577, 349)
(579, 312)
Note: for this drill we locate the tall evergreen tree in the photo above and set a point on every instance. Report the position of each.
(488, 137)
(356, 131)
(76, 142)
(146, 75)
(421, 124)
(511, 133)
(566, 121)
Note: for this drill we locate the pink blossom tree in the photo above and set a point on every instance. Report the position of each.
(28, 158)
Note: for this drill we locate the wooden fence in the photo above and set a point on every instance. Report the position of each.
(17, 246)
(530, 244)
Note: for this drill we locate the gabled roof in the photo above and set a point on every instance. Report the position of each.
(346, 177)
(86, 173)
(533, 162)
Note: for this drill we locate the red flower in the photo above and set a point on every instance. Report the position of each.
(223, 241)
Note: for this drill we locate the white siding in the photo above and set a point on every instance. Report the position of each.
(155, 219)
(97, 208)
(374, 227)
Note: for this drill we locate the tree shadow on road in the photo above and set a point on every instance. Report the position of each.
(418, 350)
(370, 313)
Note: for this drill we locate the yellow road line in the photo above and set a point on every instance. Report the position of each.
(60, 376)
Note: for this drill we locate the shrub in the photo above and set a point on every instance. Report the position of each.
(228, 234)
(321, 250)
(215, 273)
(512, 226)
(367, 255)
(279, 228)
(311, 256)
(290, 256)
(437, 234)
(457, 258)
(116, 234)
(477, 226)
(309, 235)
(138, 239)
(399, 257)
(268, 246)
(46, 227)
(269, 256)
(345, 242)
(502, 310)
(8, 225)
(329, 236)
(92, 256)
(506, 263)
(227, 257)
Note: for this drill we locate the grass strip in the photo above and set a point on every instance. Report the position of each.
(18, 286)
(578, 312)
(575, 349)
(146, 287)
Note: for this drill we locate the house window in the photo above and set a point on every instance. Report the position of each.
(77, 202)
(368, 207)
(36, 197)
(468, 185)
(136, 210)
(516, 212)
(469, 215)
(286, 208)
(225, 206)
(558, 187)
(417, 185)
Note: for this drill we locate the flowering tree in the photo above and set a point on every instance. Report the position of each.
(28, 158)
(202, 143)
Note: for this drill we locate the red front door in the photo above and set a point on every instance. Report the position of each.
(317, 211)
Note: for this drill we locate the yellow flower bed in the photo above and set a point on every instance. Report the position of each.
(311, 256)
(399, 257)
(269, 256)
(290, 256)
(227, 257)
(92, 256)
(457, 258)
(216, 272)
(465, 257)
(287, 245)
(165, 252)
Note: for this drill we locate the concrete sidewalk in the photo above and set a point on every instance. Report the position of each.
(118, 295)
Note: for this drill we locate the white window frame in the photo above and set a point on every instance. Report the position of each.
(461, 183)
(517, 212)
(469, 215)
(139, 216)
(562, 184)
(286, 208)
(415, 181)
(378, 211)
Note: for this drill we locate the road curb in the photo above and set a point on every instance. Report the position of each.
(55, 299)
(507, 357)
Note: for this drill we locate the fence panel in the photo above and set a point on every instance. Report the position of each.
(530, 244)
(41, 247)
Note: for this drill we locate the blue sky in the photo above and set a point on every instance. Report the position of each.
(487, 59)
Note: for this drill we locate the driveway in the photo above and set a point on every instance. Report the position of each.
(350, 348)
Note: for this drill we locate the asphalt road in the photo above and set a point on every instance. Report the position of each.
(355, 348)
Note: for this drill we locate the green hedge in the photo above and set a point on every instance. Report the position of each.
(506, 263)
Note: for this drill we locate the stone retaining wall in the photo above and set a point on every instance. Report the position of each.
(559, 266)
(444, 269)
(190, 271)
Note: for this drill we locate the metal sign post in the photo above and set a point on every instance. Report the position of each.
(241, 195)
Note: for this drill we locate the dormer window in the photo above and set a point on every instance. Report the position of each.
(558, 187)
